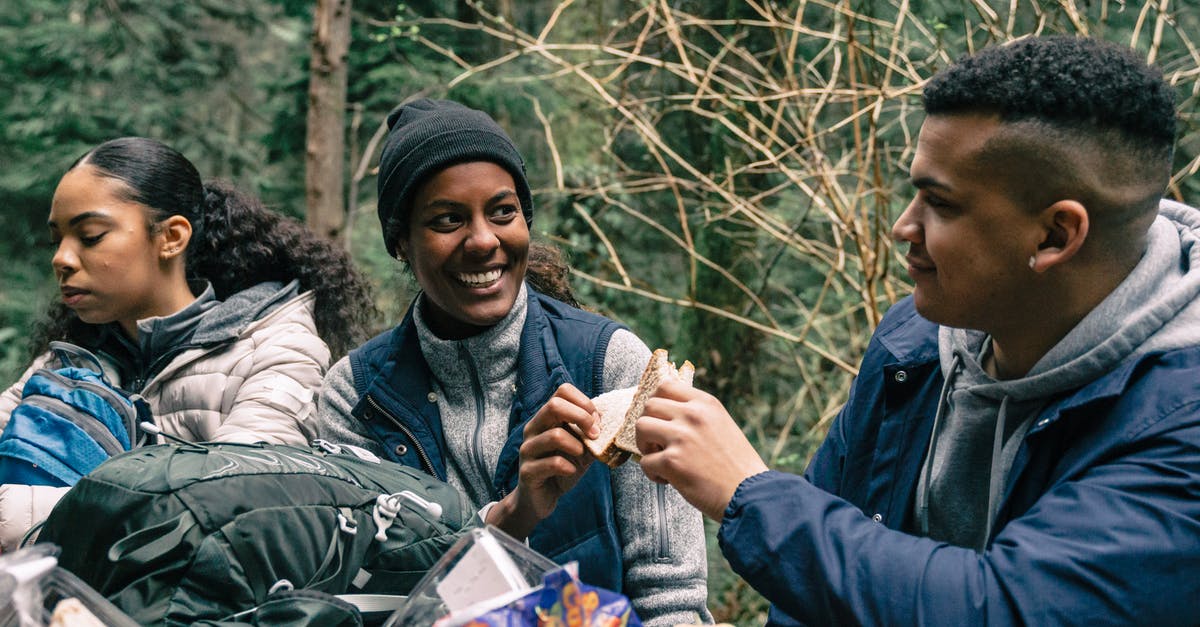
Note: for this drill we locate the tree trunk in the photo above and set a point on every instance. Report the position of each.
(324, 151)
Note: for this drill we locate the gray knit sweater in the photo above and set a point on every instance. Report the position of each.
(662, 537)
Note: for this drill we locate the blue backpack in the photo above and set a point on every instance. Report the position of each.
(70, 419)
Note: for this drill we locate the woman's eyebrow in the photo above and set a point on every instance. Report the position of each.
(445, 203)
(86, 215)
(501, 195)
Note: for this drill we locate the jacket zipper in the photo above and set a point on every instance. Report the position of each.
(664, 539)
(425, 460)
(477, 392)
(150, 373)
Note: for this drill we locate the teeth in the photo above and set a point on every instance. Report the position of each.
(477, 279)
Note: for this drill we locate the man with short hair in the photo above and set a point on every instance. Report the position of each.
(1022, 443)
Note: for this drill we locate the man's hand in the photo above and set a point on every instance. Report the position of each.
(688, 440)
(552, 461)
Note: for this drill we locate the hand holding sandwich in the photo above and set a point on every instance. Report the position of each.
(689, 440)
(552, 462)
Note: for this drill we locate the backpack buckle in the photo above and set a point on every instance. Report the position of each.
(346, 521)
(326, 445)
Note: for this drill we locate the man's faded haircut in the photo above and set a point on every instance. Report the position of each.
(1072, 83)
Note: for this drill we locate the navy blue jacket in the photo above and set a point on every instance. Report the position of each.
(1099, 524)
(559, 344)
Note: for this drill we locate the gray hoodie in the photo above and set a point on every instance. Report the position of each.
(205, 322)
(981, 422)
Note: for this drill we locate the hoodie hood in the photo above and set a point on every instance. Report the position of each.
(1156, 308)
(981, 421)
(205, 322)
(234, 314)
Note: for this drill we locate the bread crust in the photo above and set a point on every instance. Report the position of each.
(617, 443)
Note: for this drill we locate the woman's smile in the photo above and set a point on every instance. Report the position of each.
(480, 280)
(468, 245)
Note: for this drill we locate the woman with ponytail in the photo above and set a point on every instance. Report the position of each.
(223, 314)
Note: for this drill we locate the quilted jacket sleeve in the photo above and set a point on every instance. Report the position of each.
(9, 400)
(22, 506)
(275, 402)
(11, 397)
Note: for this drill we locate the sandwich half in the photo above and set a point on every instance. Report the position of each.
(620, 409)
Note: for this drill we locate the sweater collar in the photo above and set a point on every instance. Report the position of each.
(494, 352)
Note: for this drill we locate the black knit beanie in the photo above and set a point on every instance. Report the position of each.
(426, 136)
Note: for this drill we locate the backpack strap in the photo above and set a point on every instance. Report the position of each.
(73, 356)
(371, 603)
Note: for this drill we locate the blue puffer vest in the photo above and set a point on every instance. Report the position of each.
(559, 344)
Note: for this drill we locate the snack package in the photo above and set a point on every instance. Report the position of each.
(485, 568)
(489, 579)
(561, 601)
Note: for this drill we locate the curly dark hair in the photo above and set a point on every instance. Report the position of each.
(236, 243)
(242, 243)
(1066, 81)
(547, 272)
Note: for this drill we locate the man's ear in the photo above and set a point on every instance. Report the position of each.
(174, 234)
(1066, 227)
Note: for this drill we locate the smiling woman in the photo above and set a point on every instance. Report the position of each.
(221, 313)
(468, 246)
(476, 384)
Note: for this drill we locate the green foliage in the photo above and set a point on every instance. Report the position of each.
(198, 75)
(731, 171)
(722, 175)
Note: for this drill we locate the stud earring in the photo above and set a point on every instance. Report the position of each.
(1032, 261)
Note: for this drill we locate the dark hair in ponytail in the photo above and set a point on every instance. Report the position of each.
(236, 243)
(242, 243)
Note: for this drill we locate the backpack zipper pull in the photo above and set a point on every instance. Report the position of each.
(153, 429)
(388, 505)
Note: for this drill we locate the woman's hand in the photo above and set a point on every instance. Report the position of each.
(552, 461)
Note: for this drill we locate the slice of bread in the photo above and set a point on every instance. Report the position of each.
(620, 409)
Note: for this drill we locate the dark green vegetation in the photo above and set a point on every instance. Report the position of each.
(723, 175)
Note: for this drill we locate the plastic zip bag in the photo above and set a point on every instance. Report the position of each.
(36, 592)
(489, 579)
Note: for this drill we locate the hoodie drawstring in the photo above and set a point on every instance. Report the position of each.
(995, 476)
(927, 467)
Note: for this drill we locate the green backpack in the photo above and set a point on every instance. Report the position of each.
(207, 532)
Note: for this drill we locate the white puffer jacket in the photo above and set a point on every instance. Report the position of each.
(259, 387)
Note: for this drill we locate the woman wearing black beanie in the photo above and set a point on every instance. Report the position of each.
(475, 384)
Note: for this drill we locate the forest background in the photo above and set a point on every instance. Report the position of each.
(722, 174)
